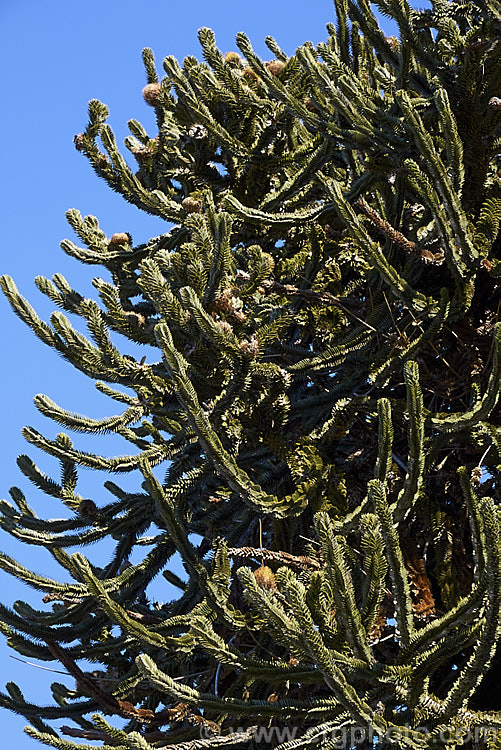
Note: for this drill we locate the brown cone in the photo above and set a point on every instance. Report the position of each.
(232, 57)
(275, 67)
(151, 94)
(120, 238)
(265, 577)
(192, 205)
(87, 508)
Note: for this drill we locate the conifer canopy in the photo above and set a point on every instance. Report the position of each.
(315, 426)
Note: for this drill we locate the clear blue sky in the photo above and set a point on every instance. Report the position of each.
(55, 56)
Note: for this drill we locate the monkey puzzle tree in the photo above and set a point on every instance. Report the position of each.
(318, 433)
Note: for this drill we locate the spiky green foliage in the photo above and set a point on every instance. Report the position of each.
(319, 430)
